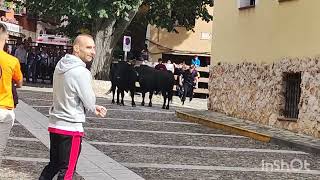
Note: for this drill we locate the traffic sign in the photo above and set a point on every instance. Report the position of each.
(126, 43)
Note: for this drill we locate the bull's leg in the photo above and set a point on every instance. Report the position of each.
(143, 96)
(191, 93)
(150, 98)
(118, 93)
(164, 95)
(132, 98)
(113, 93)
(185, 92)
(170, 94)
(122, 96)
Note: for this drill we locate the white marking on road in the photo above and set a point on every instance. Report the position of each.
(124, 110)
(164, 132)
(199, 148)
(41, 106)
(184, 167)
(218, 168)
(140, 110)
(34, 99)
(24, 139)
(24, 159)
(147, 121)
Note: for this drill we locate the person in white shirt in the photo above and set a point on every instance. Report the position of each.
(170, 66)
(21, 54)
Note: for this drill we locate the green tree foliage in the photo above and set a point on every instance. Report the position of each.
(107, 19)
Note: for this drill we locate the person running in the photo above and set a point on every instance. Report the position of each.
(10, 75)
(72, 97)
(188, 84)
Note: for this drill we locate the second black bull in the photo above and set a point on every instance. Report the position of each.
(123, 77)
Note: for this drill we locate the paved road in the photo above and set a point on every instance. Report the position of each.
(156, 145)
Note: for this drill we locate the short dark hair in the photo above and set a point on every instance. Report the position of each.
(3, 28)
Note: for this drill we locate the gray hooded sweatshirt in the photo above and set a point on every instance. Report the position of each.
(72, 95)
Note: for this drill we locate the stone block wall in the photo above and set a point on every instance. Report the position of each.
(256, 92)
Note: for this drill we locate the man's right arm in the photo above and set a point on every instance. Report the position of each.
(85, 91)
(17, 76)
(19, 83)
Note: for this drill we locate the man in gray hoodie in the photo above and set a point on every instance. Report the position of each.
(72, 97)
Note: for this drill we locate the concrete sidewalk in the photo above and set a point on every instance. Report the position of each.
(252, 130)
(92, 164)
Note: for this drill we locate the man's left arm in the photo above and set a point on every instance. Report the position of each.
(87, 96)
(85, 91)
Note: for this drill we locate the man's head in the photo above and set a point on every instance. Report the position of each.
(84, 47)
(160, 61)
(3, 33)
(21, 46)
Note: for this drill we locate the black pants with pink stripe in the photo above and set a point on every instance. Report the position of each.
(64, 153)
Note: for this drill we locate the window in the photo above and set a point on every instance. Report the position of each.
(244, 4)
(284, 0)
(292, 93)
(205, 36)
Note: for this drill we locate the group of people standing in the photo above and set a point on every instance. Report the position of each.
(187, 76)
(37, 62)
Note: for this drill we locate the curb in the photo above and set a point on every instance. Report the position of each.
(297, 145)
(233, 129)
(249, 133)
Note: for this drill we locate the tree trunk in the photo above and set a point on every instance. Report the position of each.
(107, 34)
(103, 39)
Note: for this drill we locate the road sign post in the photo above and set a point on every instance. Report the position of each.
(126, 46)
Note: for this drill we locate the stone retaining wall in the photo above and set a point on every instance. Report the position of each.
(256, 92)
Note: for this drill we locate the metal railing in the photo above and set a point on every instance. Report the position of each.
(292, 95)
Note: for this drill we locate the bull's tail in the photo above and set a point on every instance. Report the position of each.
(170, 95)
(109, 91)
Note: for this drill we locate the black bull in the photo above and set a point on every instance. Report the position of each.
(123, 76)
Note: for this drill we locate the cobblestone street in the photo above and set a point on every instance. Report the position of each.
(155, 144)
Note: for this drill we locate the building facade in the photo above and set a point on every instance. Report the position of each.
(181, 46)
(20, 26)
(266, 63)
